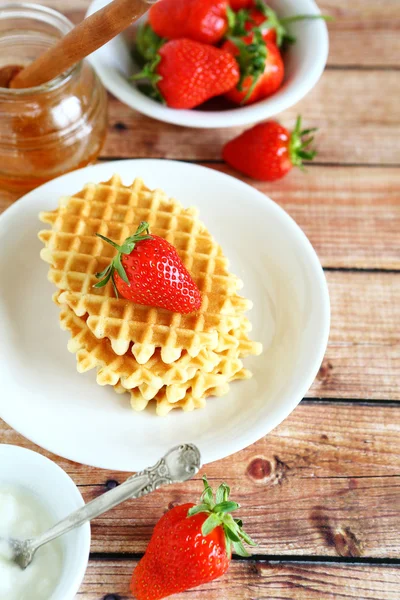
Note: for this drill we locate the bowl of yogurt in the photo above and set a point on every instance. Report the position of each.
(35, 493)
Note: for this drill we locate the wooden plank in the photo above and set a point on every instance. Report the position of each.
(350, 215)
(325, 483)
(364, 33)
(350, 130)
(367, 47)
(363, 356)
(333, 516)
(250, 580)
(309, 441)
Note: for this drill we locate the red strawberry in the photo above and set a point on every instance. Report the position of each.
(200, 20)
(261, 68)
(186, 73)
(147, 270)
(268, 151)
(191, 545)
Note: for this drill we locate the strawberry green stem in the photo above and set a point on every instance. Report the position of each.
(149, 73)
(219, 509)
(251, 59)
(295, 18)
(142, 233)
(148, 43)
(274, 22)
(299, 145)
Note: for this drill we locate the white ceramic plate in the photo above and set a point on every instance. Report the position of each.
(304, 63)
(46, 400)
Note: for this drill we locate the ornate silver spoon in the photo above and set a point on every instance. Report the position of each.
(179, 464)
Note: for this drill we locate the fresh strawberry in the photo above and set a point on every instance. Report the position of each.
(190, 545)
(268, 151)
(147, 270)
(200, 20)
(273, 28)
(261, 68)
(185, 73)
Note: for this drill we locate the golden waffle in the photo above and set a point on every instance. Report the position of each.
(76, 254)
(185, 384)
(149, 378)
(168, 398)
(163, 407)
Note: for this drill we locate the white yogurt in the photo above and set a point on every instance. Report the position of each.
(22, 516)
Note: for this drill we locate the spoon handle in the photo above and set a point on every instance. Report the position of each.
(92, 33)
(177, 466)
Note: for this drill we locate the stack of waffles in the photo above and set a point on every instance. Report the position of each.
(157, 356)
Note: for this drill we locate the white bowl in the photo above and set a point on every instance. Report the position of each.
(57, 491)
(89, 423)
(304, 63)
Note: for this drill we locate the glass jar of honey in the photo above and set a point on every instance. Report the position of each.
(54, 128)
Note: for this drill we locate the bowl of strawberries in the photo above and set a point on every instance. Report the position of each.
(216, 63)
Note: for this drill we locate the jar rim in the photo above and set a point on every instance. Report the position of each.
(47, 15)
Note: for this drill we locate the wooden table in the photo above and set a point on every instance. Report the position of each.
(321, 493)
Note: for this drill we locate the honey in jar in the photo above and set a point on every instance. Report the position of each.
(54, 128)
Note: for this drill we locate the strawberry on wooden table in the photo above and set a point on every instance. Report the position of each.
(261, 68)
(200, 20)
(191, 545)
(268, 151)
(185, 73)
(147, 270)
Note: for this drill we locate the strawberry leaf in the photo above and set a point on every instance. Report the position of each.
(226, 506)
(252, 58)
(299, 145)
(103, 273)
(198, 509)
(231, 17)
(228, 545)
(237, 24)
(114, 286)
(207, 496)
(148, 42)
(240, 549)
(104, 281)
(149, 72)
(120, 269)
(210, 524)
(108, 241)
(247, 538)
(231, 533)
(222, 493)
(143, 226)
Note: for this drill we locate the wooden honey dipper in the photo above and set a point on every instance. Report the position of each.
(92, 33)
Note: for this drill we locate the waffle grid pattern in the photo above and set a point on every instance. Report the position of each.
(171, 360)
(76, 254)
